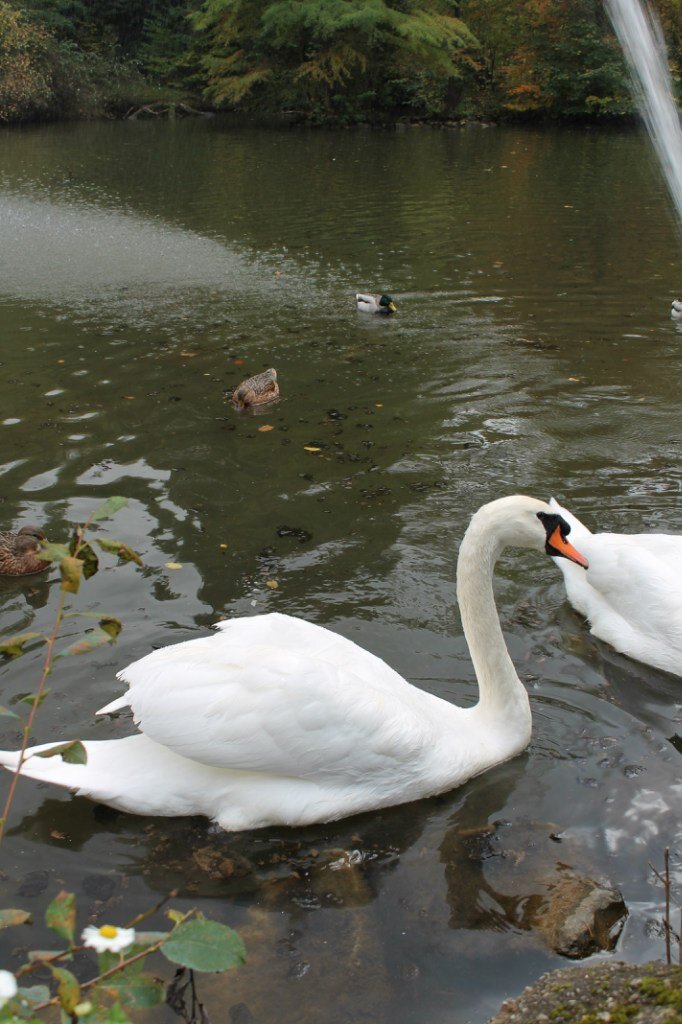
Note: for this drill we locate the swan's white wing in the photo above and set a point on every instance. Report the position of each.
(283, 696)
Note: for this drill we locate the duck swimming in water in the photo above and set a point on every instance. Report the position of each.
(18, 552)
(258, 390)
(275, 720)
(382, 304)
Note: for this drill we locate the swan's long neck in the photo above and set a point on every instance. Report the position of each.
(502, 694)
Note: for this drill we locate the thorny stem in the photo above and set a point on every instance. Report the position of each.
(47, 668)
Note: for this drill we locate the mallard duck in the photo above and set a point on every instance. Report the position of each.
(632, 593)
(274, 720)
(18, 552)
(676, 309)
(382, 304)
(258, 390)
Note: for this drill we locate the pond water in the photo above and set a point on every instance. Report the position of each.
(145, 269)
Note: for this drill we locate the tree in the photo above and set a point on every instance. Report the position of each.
(333, 57)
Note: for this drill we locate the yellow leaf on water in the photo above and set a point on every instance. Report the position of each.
(272, 584)
(379, 405)
(174, 565)
(264, 429)
(223, 547)
(187, 354)
(311, 448)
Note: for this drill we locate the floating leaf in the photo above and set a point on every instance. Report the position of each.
(68, 989)
(72, 573)
(264, 429)
(73, 752)
(204, 945)
(93, 639)
(60, 915)
(10, 917)
(110, 506)
(311, 448)
(272, 584)
(174, 565)
(53, 552)
(223, 547)
(13, 647)
(117, 547)
(135, 989)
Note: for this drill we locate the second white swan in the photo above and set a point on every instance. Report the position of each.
(274, 720)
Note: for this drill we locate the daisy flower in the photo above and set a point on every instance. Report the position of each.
(8, 987)
(108, 938)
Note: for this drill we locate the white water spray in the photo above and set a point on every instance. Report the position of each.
(640, 35)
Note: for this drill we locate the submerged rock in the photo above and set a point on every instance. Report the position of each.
(608, 992)
(581, 917)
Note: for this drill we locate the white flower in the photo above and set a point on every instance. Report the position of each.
(108, 938)
(8, 987)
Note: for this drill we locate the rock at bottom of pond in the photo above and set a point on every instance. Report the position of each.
(608, 991)
(580, 917)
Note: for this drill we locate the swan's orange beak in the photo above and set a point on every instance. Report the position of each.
(561, 546)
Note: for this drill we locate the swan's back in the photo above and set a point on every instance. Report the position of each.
(279, 695)
(632, 591)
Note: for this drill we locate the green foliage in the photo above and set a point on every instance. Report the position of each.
(204, 945)
(25, 66)
(61, 915)
(326, 56)
(120, 980)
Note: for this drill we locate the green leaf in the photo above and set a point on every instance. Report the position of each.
(73, 752)
(61, 916)
(72, 573)
(13, 647)
(35, 994)
(68, 989)
(117, 547)
(34, 698)
(87, 555)
(10, 917)
(53, 552)
(5, 712)
(135, 990)
(110, 506)
(204, 946)
(93, 638)
(109, 1015)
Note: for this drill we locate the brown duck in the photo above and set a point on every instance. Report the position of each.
(258, 390)
(18, 552)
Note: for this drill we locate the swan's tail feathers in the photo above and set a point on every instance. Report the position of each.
(578, 529)
(48, 769)
(116, 705)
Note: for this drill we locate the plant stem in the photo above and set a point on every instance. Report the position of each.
(107, 974)
(47, 668)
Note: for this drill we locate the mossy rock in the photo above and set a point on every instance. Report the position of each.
(606, 993)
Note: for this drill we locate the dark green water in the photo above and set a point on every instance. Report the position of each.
(146, 268)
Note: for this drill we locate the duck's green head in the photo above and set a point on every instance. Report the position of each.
(386, 302)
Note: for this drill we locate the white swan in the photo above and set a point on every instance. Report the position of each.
(676, 309)
(631, 593)
(274, 720)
